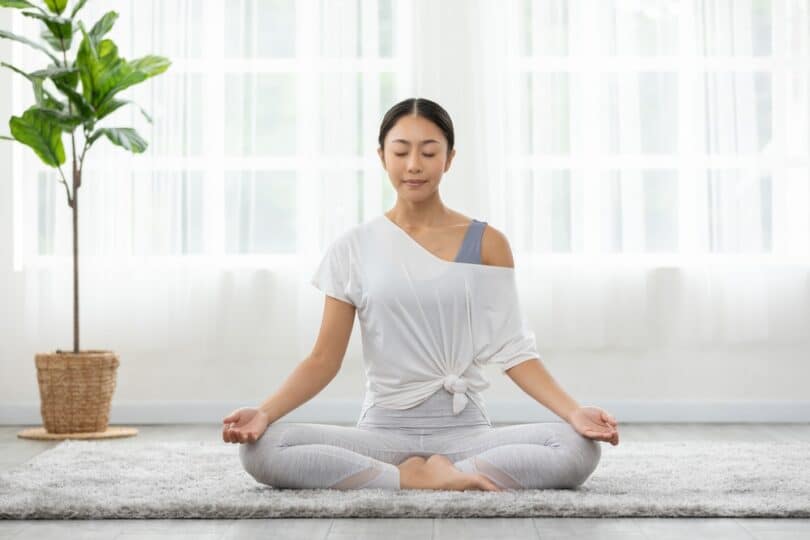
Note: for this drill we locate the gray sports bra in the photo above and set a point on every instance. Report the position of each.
(470, 251)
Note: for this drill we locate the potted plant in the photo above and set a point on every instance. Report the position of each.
(73, 96)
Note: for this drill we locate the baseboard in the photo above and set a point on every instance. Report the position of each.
(500, 411)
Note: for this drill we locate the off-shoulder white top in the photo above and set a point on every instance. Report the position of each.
(426, 323)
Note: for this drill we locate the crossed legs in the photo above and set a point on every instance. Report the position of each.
(304, 455)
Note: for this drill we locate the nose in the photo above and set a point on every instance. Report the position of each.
(413, 163)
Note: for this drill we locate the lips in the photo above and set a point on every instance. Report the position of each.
(414, 182)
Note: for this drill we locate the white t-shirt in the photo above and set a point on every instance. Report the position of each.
(426, 323)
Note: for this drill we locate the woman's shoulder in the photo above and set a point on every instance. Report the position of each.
(495, 248)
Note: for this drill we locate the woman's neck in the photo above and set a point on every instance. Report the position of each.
(420, 216)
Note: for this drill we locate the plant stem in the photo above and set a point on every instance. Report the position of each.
(67, 189)
(75, 262)
(75, 206)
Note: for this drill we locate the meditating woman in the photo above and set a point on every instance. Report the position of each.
(436, 296)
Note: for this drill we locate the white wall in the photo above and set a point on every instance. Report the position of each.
(204, 382)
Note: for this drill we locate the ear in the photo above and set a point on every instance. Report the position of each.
(382, 156)
(449, 159)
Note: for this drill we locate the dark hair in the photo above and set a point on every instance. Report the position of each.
(420, 107)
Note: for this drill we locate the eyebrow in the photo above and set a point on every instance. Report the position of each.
(426, 141)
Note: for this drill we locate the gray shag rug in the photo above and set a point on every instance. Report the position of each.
(170, 480)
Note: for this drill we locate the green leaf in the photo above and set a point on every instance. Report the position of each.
(56, 6)
(60, 28)
(77, 7)
(36, 130)
(70, 78)
(151, 65)
(42, 96)
(19, 4)
(91, 43)
(113, 104)
(122, 74)
(58, 74)
(104, 74)
(15, 69)
(108, 107)
(102, 26)
(116, 79)
(53, 72)
(84, 109)
(9, 35)
(88, 64)
(66, 122)
(111, 74)
(125, 137)
(56, 43)
(50, 39)
(39, 91)
(48, 101)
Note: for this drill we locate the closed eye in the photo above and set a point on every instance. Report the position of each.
(405, 154)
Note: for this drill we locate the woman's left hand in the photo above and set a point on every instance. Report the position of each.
(594, 423)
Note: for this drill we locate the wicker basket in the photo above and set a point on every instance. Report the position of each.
(76, 390)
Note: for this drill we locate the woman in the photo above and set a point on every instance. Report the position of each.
(436, 297)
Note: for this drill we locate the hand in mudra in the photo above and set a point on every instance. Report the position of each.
(244, 425)
(595, 423)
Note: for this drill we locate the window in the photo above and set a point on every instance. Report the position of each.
(264, 136)
(658, 127)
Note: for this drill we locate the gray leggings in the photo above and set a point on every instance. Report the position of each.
(305, 455)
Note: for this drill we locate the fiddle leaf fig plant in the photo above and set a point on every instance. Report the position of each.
(72, 96)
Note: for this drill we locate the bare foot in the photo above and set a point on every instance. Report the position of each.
(438, 472)
(441, 468)
(410, 471)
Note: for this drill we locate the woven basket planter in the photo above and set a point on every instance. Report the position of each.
(76, 390)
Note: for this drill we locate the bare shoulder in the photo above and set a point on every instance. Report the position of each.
(495, 249)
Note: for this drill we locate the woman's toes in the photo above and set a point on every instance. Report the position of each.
(438, 458)
(486, 484)
(445, 475)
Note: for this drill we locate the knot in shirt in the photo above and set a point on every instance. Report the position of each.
(458, 387)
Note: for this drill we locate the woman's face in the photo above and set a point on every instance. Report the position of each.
(415, 149)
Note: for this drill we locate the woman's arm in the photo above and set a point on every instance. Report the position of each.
(532, 376)
(534, 379)
(591, 422)
(319, 368)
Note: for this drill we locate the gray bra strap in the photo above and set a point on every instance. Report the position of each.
(470, 251)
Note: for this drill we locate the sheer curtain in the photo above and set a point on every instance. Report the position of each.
(647, 160)
(262, 150)
(649, 163)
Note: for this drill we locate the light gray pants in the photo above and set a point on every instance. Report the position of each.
(305, 455)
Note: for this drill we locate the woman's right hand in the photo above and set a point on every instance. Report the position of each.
(244, 425)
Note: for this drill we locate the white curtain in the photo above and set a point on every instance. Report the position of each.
(261, 152)
(649, 163)
(647, 160)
